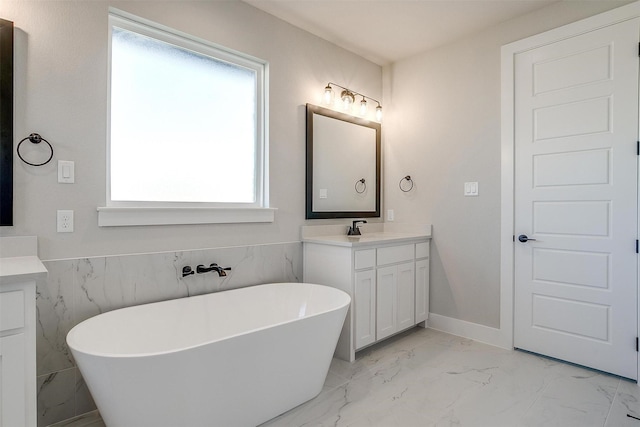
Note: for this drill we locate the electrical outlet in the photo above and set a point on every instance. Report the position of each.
(65, 221)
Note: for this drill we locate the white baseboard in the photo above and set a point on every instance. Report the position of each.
(474, 331)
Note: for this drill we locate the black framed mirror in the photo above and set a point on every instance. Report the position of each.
(6, 122)
(343, 165)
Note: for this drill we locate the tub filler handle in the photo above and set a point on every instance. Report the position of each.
(187, 271)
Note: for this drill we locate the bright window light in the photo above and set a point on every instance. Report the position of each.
(186, 121)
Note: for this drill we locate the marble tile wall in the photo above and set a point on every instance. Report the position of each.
(77, 289)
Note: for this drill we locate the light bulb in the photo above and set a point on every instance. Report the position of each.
(328, 95)
(363, 107)
(379, 113)
(347, 99)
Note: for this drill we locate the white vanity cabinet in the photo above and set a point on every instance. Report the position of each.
(364, 297)
(388, 280)
(422, 282)
(17, 371)
(395, 284)
(18, 277)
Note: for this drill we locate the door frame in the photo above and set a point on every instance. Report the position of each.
(507, 179)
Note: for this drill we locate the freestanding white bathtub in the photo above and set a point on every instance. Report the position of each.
(233, 358)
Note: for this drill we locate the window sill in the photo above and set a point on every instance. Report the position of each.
(128, 216)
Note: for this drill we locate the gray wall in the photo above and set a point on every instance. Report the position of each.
(61, 93)
(443, 129)
(441, 126)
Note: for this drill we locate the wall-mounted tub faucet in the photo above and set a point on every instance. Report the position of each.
(213, 267)
(354, 230)
(221, 271)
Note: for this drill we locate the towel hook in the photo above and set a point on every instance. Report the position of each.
(35, 138)
(410, 185)
(362, 187)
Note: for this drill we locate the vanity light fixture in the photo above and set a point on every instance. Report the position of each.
(363, 107)
(328, 95)
(348, 98)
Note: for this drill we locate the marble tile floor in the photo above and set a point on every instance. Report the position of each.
(92, 419)
(429, 378)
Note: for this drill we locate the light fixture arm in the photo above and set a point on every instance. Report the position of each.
(354, 92)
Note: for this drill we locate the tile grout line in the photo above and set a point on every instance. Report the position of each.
(613, 402)
(539, 394)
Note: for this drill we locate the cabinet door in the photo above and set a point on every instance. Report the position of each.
(12, 381)
(405, 296)
(386, 305)
(365, 308)
(422, 290)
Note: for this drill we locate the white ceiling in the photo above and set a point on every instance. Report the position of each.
(386, 31)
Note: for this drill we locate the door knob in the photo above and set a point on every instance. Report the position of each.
(524, 239)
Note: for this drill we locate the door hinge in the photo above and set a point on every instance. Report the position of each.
(514, 237)
(638, 49)
(636, 246)
(637, 344)
(638, 148)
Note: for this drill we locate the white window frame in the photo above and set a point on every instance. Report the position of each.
(124, 213)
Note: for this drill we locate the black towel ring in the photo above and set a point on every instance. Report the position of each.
(35, 138)
(405, 189)
(363, 186)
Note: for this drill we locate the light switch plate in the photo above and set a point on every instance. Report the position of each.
(470, 188)
(323, 193)
(66, 172)
(390, 215)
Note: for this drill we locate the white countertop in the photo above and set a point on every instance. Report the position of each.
(19, 261)
(366, 239)
(21, 269)
(372, 234)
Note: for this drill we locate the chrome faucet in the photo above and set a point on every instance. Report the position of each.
(354, 230)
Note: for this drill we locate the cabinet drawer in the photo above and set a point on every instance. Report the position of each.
(11, 310)
(395, 254)
(365, 259)
(422, 250)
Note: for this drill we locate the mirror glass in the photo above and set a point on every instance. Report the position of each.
(6, 122)
(343, 165)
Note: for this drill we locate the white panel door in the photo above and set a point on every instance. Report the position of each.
(576, 195)
(365, 307)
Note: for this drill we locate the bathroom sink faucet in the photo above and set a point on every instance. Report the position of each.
(354, 230)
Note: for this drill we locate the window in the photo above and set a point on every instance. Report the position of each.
(186, 126)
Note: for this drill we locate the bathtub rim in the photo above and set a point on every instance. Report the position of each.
(70, 337)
